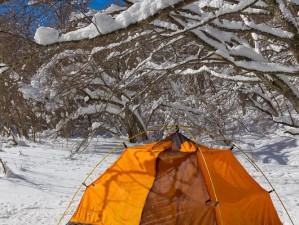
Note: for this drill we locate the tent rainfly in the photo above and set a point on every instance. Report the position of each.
(175, 181)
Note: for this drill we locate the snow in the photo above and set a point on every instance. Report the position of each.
(42, 178)
(291, 86)
(114, 8)
(267, 29)
(30, 92)
(32, 2)
(79, 15)
(142, 10)
(225, 8)
(211, 3)
(3, 67)
(165, 24)
(46, 35)
(113, 45)
(103, 23)
(219, 75)
(286, 13)
(96, 125)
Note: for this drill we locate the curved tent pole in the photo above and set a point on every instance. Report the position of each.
(266, 178)
(208, 171)
(171, 128)
(248, 158)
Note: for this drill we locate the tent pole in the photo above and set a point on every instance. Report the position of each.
(104, 157)
(266, 178)
(247, 157)
(209, 174)
(186, 128)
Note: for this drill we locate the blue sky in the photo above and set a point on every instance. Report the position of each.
(100, 4)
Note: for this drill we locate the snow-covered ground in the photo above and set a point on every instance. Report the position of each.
(42, 178)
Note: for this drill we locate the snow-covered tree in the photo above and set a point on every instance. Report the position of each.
(212, 64)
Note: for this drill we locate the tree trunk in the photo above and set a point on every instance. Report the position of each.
(134, 127)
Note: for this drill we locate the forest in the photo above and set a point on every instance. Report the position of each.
(226, 67)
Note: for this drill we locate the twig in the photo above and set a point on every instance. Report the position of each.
(3, 165)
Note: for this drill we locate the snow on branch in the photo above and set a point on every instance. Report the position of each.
(114, 45)
(227, 9)
(237, 78)
(266, 67)
(3, 67)
(286, 121)
(255, 65)
(246, 25)
(148, 63)
(103, 23)
(292, 88)
(165, 25)
(264, 28)
(286, 13)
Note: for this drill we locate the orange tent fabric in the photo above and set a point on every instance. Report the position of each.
(174, 182)
(241, 199)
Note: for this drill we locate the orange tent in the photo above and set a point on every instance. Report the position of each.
(175, 181)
